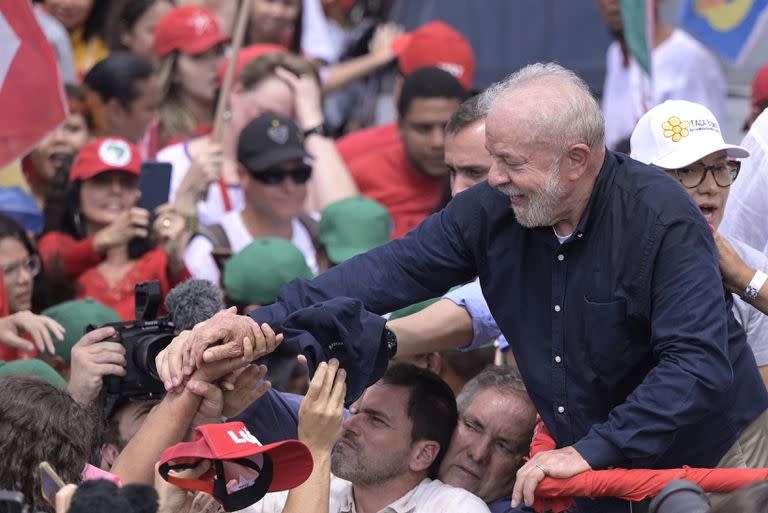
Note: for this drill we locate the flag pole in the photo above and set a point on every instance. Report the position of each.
(222, 104)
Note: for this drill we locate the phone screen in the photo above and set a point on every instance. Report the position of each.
(154, 184)
(50, 481)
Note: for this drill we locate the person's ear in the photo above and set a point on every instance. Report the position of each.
(109, 453)
(434, 362)
(577, 161)
(423, 454)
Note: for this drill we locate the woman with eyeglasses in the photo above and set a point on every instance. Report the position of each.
(684, 140)
(98, 239)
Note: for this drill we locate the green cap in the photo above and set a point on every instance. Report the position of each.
(256, 274)
(33, 367)
(410, 310)
(352, 226)
(75, 316)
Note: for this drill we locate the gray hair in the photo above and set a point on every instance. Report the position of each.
(503, 379)
(469, 111)
(576, 118)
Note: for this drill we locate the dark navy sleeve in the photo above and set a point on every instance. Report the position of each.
(689, 340)
(422, 265)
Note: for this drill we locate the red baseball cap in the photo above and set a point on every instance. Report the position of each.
(439, 45)
(237, 456)
(246, 55)
(105, 154)
(189, 28)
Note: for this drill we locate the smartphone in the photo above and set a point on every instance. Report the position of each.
(154, 184)
(50, 482)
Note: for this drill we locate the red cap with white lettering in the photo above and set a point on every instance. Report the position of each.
(189, 28)
(243, 470)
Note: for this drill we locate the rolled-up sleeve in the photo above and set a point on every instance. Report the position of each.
(484, 328)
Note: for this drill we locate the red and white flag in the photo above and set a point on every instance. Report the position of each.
(32, 101)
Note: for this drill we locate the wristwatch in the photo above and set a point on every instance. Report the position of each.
(389, 338)
(753, 289)
(319, 130)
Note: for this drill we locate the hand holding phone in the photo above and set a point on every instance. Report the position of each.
(50, 482)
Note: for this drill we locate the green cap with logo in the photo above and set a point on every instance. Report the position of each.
(75, 316)
(352, 226)
(35, 368)
(256, 274)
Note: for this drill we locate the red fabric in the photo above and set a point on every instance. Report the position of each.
(386, 175)
(189, 28)
(105, 154)
(120, 296)
(61, 251)
(8, 353)
(32, 99)
(633, 485)
(760, 86)
(361, 142)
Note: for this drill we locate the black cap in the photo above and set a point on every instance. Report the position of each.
(269, 140)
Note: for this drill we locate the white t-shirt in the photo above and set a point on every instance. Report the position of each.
(681, 69)
(212, 209)
(752, 320)
(746, 213)
(321, 38)
(428, 497)
(201, 264)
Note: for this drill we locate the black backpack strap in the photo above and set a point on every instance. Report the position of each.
(313, 227)
(222, 250)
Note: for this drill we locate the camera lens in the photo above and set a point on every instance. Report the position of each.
(147, 349)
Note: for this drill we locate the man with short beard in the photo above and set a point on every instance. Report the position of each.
(390, 450)
(622, 331)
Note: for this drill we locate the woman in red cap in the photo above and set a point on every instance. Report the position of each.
(88, 241)
(190, 47)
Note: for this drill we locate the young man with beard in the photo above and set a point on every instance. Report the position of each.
(603, 271)
(390, 450)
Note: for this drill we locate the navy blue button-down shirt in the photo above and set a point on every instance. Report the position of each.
(623, 334)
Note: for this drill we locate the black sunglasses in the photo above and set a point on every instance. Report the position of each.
(276, 176)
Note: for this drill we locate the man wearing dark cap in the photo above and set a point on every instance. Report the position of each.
(274, 171)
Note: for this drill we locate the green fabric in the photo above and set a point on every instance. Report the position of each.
(634, 17)
(75, 316)
(352, 226)
(256, 274)
(33, 367)
(410, 310)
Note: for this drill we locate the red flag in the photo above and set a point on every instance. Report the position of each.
(32, 101)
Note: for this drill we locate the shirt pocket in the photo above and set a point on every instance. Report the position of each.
(606, 337)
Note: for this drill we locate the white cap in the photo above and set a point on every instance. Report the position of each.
(677, 133)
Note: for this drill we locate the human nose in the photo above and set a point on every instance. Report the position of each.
(496, 176)
(437, 137)
(480, 450)
(708, 184)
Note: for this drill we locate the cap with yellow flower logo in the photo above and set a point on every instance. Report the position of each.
(677, 133)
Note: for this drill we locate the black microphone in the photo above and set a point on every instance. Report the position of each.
(193, 301)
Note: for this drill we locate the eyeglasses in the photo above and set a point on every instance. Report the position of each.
(276, 176)
(31, 264)
(724, 174)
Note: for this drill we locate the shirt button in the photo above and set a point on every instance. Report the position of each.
(560, 409)
(579, 235)
(561, 257)
(557, 308)
(558, 359)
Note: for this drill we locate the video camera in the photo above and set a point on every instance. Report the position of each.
(143, 339)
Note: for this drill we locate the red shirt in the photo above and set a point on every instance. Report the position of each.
(361, 142)
(387, 176)
(80, 262)
(8, 353)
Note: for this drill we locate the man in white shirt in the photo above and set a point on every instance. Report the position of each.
(681, 69)
(390, 450)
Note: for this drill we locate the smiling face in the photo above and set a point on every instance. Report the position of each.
(271, 18)
(107, 195)
(489, 443)
(70, 13)
(283, 201)
(375, 444)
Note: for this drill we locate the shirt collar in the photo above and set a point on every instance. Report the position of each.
(404, 504)
(598, 199)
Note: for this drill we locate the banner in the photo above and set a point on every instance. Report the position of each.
(729, 27)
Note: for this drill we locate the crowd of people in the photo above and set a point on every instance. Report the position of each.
(336, 310)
